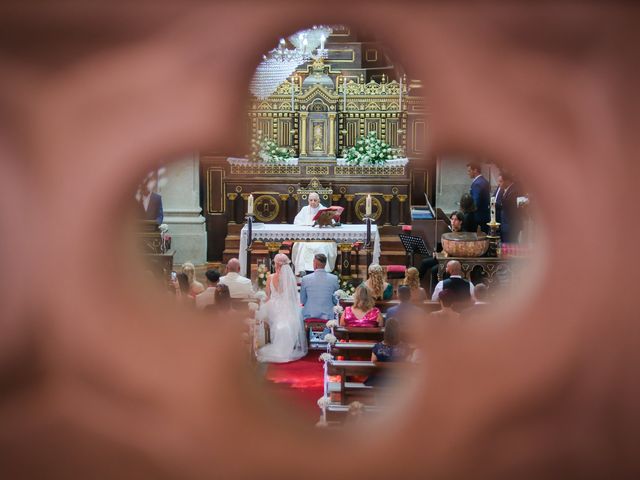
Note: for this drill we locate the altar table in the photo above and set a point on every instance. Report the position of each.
(344, 234)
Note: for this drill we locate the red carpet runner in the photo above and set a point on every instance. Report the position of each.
(299, 383)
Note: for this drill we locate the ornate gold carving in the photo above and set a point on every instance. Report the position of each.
(369, 170)
(336, 197)
(285, 196)
(232, 196)
(273, 247)
(266, 208)
(238, 188)
(349, 197)
(343, 190)
(245, 196)
(360, 208)
(345, 247)
(387, 198)
(291, 189)
(317, 170)
(394, 190)
(264, 169)
(402, 198)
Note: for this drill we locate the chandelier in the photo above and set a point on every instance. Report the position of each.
(282, 61)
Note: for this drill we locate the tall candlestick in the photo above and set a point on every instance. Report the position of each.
(400, 97)
(368, 206)
(344, 93)
(250, 205)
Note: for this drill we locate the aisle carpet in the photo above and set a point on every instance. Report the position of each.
(299, 383)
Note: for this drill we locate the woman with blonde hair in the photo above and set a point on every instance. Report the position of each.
(195, 287)
(284, 315)
(379, 288)
(363, 313)
(412, 280)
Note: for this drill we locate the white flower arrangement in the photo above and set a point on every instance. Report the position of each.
(324, 402)
(262, 276)
(370, 150)
(325, 357)
(261, 296)
(333, 323)
(337, 310)
(329, 338)
(253, 306)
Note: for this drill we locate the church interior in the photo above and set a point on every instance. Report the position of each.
(262, 235)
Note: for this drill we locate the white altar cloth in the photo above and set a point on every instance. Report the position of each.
(282, 232)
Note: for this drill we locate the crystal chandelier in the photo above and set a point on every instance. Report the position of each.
(281, 62)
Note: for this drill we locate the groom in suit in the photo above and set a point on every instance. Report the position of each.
(317, 289)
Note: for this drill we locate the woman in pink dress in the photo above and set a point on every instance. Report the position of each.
(363, 313)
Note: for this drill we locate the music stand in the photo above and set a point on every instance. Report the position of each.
(413, 245)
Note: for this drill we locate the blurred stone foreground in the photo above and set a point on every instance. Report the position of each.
(99, 379)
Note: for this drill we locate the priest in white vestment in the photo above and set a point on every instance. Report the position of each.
(303, 252)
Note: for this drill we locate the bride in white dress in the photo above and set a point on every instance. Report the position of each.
(284, 315)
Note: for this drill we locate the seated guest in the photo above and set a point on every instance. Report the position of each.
(195, 287)
(208, 296)
(317, 289)
(470, 222)
(239, 286)
(223, 298)
(391, 349)
(481, 293)
(380, 290)
(412, 280)
(181, 285)
(462, 289)
(447, 300)
(406, 308)
(363, 313)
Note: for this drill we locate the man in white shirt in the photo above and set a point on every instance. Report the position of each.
(208, 297)
(456, 283)
(239, 286)
(303, 252)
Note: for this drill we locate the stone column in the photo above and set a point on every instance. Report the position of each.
(402, 199)
(387, 207)
(284, 201)
(180, 190)
(349, 198)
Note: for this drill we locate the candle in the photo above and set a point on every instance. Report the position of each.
(368, 206)
(400, 97)
(493, 210)
(344, 93)
(250, 205)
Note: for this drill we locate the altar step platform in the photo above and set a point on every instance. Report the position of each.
(392, 251)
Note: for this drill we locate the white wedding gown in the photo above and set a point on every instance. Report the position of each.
(284, 315)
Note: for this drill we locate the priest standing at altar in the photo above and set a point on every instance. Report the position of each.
(303, 252)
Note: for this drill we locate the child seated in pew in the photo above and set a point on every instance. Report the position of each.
(363, 313)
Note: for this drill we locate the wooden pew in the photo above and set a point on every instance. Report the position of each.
(350, 390)
(369, 334)
(353, 350)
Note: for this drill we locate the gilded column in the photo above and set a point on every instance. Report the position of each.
(332, 133)
(387, 202)
(303, 134)
(349, 206)
(231, 209)
(402, 199)
(283, 208)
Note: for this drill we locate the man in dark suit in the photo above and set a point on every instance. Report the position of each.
(150, 204)
(481, 193)
(510, 222)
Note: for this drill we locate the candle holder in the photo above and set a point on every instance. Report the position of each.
(494, 239)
